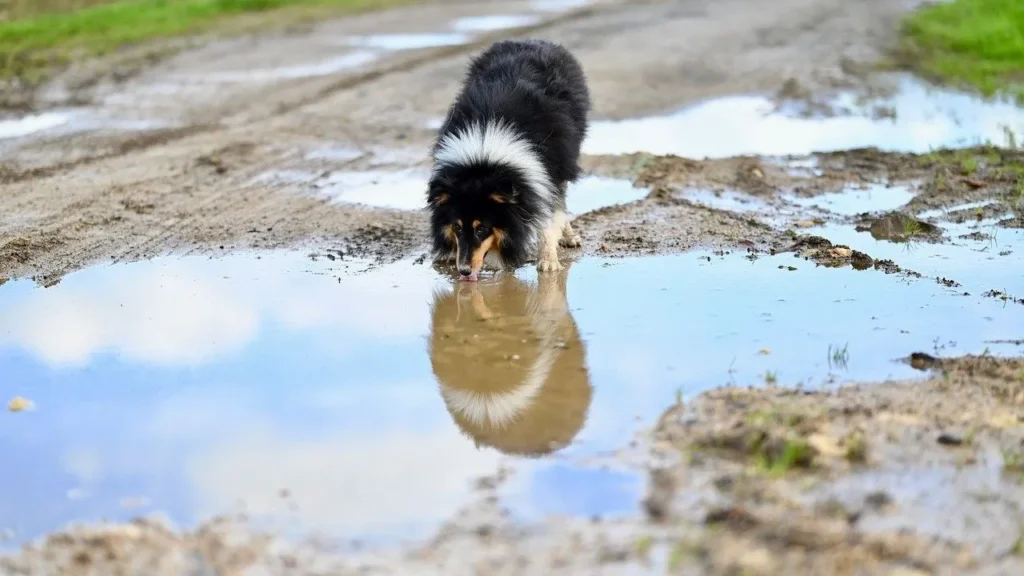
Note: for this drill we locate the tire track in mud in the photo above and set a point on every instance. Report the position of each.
(150, 139)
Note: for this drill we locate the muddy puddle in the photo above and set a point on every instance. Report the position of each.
(302, 390)
(67, 122)
(916, 118)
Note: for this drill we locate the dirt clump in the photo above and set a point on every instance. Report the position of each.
(899, 227)
(814, 478)
(664, 223)
(824, 253)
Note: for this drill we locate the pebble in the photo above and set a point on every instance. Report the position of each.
(18, 404)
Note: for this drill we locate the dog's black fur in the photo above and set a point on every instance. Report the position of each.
(478, 203)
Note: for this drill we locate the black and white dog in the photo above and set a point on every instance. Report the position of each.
(504, 157)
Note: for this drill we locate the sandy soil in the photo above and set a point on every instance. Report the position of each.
(906, 478)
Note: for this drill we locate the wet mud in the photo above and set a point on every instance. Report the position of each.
(790, 342)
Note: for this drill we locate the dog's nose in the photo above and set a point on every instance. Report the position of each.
(465, 271)
(465, 274)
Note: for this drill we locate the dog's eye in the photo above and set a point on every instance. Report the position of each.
(457, 226)
(482, 231)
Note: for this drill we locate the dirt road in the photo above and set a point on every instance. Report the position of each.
(195, 153)
(247, 143)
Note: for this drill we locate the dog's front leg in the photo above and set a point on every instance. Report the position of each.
(547, 253)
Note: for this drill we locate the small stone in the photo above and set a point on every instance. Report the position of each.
(19, 404)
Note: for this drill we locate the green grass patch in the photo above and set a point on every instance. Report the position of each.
(37, 36)
(976, 43)
(794, 453)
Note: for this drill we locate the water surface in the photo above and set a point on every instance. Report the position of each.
(364, 402)
(919, 118)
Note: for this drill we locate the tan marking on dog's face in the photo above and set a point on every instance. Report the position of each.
(441, 199)
(449, 233)
(499, 236)
(477, 261)
(476, 224)
(498, 198)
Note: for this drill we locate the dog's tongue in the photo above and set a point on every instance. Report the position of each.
(470, 278)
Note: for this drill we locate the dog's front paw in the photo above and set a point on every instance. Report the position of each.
(549, 265)
(573, 241)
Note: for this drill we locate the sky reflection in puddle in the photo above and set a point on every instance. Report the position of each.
(394, 42)
(197, 384)
(26, 125)
(406, 190)
(926, 118)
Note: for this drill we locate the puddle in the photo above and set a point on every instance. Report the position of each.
(309, 396)
(848, 202)
(493, 23)
(325, 67)
(940, 212)
(398, 190)
(853, 201)
(335, 153)
(406, 190)
(74, 121)
(557, 5)
(728, 200)
(992, 263)
(408, 41)
(926, 118)
(26, 125)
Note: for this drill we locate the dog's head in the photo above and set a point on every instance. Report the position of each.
(475, 214)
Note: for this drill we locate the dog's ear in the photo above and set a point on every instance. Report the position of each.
(503, 196)
(437, 193)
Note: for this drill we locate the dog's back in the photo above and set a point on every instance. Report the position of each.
(541, 89)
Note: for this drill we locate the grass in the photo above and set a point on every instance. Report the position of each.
(839, 357)
(856, 448)
(37, 36)
(911, 228)
(978, 43)
(795, 453)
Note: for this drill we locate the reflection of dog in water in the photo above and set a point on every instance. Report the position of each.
(510, 363)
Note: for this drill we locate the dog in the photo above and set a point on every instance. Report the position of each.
(504, 157)
(510, 363)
